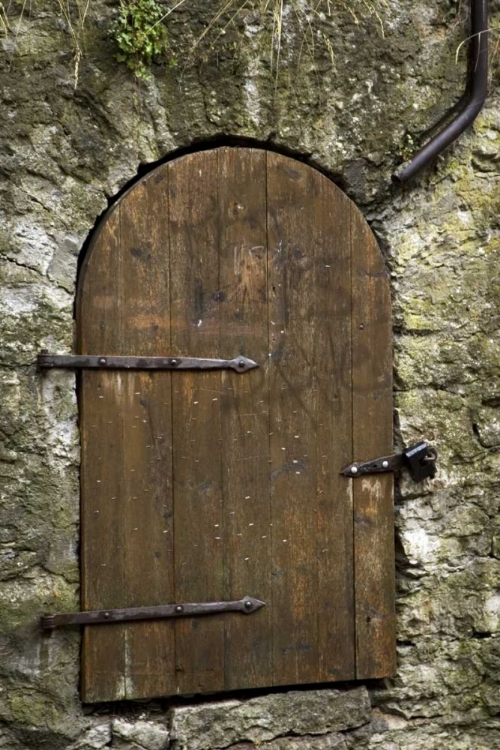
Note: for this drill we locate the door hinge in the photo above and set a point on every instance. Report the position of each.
(48, 361)
(419, 459)
(247, 605)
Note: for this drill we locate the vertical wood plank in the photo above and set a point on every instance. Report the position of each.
(245, 413)
(196, 404)
(373, 495)
(147, 502)
(309, 288)
(130, 504)
(292, 307)
(103, 655)
(331, 236)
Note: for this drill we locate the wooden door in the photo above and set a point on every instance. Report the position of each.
(209, 486)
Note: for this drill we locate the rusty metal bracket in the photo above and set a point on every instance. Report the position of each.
(377, 466)
(247, 606)
(48, 361)
(419, 459)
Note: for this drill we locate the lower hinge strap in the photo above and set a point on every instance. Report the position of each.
(247, 606)
(48, 361)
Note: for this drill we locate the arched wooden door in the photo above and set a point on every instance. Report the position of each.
(209, 486)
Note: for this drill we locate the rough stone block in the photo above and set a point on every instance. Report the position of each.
(315, 712)
(334, 741)
(145, 735)
(96, 738)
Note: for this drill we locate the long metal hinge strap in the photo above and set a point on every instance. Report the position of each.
(100, 362)
(247, 606)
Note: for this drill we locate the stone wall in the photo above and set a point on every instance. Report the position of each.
(349, 101)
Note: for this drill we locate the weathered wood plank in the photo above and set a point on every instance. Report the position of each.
(309, 288)
(292, 308)
(127, 551)
(147, 501)
(198, 505)
(245, 413)
(103, 658)
(372, 417)
(331, 236)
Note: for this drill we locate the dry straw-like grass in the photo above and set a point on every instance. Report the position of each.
(4, 21)
(307, 12)
(75, 15)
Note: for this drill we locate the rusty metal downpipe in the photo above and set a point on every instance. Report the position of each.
(473, 99)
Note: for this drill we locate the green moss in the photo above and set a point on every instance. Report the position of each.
(32, 708)
(140, 35)
(23, 601)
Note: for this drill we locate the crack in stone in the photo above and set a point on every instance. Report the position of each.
(287, 735)
(26, 266)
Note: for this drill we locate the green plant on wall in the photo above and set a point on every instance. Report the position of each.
(140, 27)
(140, 35)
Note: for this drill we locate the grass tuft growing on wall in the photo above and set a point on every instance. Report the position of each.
(140, 28)
(140, 31)
(75, 14)
(4, 21)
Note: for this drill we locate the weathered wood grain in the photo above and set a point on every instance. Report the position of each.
(311, 424)
(147, 498)
(196, 406)
(103, 658)
(292, 307)
(127, 555)
(331, 234)
(245, 531)
(372, 419)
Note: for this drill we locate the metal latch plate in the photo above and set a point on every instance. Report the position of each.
(419, 459)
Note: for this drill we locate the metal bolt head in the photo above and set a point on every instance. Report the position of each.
(173, 362)
(248, 605)
(106, 615)
(241, 364)
(385, 464)
(354, 470)
(102, 360)
(178, 608)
